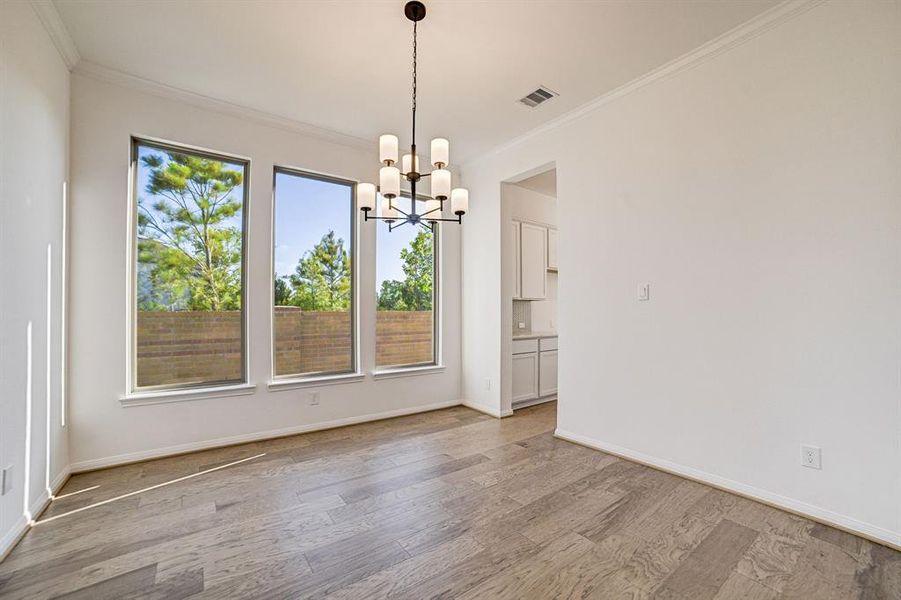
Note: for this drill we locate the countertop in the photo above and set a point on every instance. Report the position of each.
(528, 335)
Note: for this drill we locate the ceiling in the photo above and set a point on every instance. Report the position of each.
(345, 65)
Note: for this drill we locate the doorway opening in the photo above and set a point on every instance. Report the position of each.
(530, 271)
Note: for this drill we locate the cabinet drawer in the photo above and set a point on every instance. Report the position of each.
(547, 344)
(525, 346)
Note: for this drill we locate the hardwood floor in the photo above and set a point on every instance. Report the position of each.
(450, 504)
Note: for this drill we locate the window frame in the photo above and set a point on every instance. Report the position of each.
(289, 380)
(132, 387)
(437, 361)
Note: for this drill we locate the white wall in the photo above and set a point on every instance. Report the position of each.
(34, 125)
(758, 191)
(104, 116)
(529, 205)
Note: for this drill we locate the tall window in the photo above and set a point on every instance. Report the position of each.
(406, 278)
(190, 211)
(313, 322)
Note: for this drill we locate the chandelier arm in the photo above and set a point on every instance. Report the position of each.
(393, 226)
(391, 205)
(459, 219)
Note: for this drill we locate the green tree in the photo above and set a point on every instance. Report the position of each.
(391, 296)
(321, 280)
(188, 252)
(415, 291)
(283, 292)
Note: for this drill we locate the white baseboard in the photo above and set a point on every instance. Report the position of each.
(12, 537)
(534, 402)
(871, 532)
(488, 410)
(60, 480)
(122, 459)
(21, 527)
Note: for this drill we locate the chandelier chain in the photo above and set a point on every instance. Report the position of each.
(414, 82)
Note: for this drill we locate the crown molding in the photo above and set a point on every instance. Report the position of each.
(769, 19)
(56, 29)
(99, 72)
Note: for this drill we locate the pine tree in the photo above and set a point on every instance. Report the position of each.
(188, 254)
(321, 280)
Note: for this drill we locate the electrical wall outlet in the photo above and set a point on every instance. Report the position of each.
(811, 457)
(521, 325)
(314, 398)
(644, 292)
(487, 383)
(6, 480)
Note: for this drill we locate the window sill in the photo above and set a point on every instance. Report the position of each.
(185, 395)
(407, 371)
(277, 385)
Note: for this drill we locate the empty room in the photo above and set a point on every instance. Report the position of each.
(472, 299)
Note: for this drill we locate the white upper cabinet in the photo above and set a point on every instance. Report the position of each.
(551, 249)
(533, 261)
(517, 261)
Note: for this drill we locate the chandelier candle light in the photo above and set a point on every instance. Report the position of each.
(390, 175)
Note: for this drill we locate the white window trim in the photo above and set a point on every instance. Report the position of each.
(289, 381)
(407, 371)
(293, 383)
(389, 371)
(186, 394)
(135, 395)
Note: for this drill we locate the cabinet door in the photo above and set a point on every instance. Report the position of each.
(515, 275)
(525, 376)
(533, 252)
(552, 249)
(547, 373)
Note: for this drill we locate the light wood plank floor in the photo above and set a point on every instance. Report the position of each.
(450, 504)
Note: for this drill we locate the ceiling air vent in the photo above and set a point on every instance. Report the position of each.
(539, 96)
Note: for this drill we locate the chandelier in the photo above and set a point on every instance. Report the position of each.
(390, 175)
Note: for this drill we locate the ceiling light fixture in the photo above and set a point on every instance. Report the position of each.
(390, 175)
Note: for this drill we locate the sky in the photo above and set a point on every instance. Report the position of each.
(305, 210)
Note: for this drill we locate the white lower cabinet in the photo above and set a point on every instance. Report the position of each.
(547, 373)
(525, 376)
(534, 369)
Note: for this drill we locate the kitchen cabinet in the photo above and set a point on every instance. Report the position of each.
(551, 249)
(533, 261)
(547, 373)
(534, 370)
(517, 260)
(525, 376)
